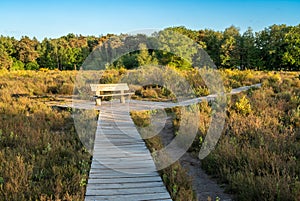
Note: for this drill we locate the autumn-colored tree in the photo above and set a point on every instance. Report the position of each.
(5, 60)
(26, 49)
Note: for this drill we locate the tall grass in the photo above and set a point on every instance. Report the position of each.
(40, 153)
(258, 155)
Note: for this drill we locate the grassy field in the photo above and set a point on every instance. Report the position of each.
(257, 157)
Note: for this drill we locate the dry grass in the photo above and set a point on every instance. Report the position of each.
(40, 153)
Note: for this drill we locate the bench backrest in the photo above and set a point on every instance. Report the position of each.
(109, 87)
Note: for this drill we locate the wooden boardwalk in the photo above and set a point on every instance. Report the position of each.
(122, 166)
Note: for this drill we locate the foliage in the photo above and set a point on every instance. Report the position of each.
(274, 48)
(17, 65)
(243, 106)
(32, 65)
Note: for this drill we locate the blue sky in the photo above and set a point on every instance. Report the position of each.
(54, 18)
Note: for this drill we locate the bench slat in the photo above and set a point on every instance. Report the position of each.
(109, 87)
(107, 95)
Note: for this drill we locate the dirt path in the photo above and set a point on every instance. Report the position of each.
(206, 188)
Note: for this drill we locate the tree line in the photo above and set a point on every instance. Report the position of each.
(277, 47)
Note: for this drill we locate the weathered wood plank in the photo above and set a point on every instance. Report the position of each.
(134, 197)
(136, 179)
(125, 191)
(109, 87)
(110, 173)
(126, 155)
(95, 186)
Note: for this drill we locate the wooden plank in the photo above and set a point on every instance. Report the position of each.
(95, 186)
(108, 95)
(134, 197)
(109, 87)
(120, 136)
(106, 139)
(121, 153)
(126, 162)
(103, 171)
(113, 123)
(141, 165)
(104, 175)
(116, 151)
(125, 191)
(122, 158)
(116, 143)
(116, 130)
(110, 174)
(124, 148)
(136, 179)
(124, 154)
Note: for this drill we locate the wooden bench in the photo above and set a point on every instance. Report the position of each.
(121, 88)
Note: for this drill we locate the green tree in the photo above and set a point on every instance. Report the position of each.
(272, 46)
(144, 58)
(189, 33)
(179, 49)
(291, 57)
(249, 57)
(229, 52)
(212, 40)
(47, 58)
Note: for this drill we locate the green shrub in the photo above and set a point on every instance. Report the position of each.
(32, 66)
(17, 65)
(243, 106)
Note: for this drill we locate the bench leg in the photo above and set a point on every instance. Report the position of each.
(122, 99)
(98, 101)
